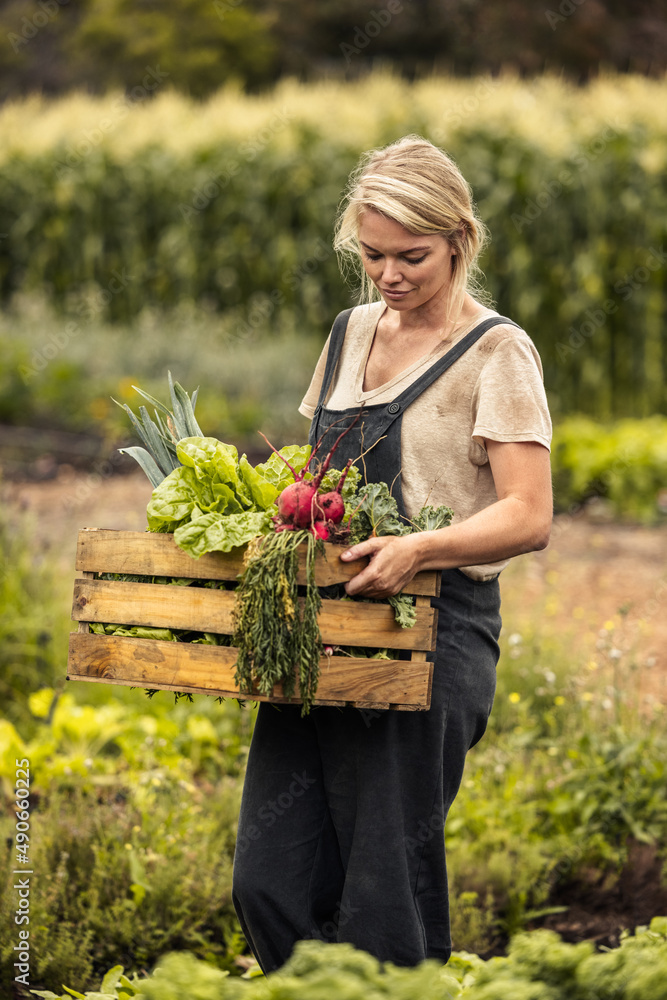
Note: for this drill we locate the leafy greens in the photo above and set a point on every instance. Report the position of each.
(215, 501)
(377, 514)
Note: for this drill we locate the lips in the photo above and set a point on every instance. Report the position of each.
(392, 293)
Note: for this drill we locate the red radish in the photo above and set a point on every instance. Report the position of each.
(321, 530)
(295, 503)
(299, 504)
(332, 503)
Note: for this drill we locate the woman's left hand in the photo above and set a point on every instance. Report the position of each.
(394, 560)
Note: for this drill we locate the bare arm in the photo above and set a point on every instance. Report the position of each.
(519, 521)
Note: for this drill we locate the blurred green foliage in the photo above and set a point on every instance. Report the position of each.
(108, 224)
(624, 463)
(32, 627)
(195, 48)
(520, 832)
(196, 45)
(125, 873)
(133, 810)
(52, 45)
(247, 384)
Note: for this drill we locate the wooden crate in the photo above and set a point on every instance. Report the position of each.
(149, 663)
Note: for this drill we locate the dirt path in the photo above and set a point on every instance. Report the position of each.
(73, 500)
(598, 587)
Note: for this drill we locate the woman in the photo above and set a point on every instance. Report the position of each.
(341, 827)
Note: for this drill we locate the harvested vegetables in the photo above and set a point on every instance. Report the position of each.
(276, 632)
(212, 500)
(302, 504)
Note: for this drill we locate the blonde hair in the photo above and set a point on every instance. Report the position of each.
(417, 185)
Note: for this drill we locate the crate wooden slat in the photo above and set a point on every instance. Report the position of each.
(145, 553)
(179, 666)
(210, 670)
(200, 610)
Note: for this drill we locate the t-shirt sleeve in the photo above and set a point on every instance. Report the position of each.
(309, 401)
(509, 402)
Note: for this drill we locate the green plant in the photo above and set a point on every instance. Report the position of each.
(161, 435)
(473, 919)
(79, 746)
(124, 875)
(539, 966)
(249, 381)
(534, 812)
(272, 629)
(32, 628)
(624, 462)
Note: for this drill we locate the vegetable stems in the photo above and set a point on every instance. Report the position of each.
(276, 631)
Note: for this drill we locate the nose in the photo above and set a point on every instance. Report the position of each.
(392, 273)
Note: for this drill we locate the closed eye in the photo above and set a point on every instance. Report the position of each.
(377, 256)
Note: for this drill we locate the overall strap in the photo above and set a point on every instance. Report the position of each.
(335, 347)
(442, 364)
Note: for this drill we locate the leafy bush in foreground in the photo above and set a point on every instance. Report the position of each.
(123, 878)
(133, 816)
(539, 966)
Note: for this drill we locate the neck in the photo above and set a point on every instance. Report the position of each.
(433, 317)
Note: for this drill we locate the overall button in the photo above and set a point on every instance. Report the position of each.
(393, 407)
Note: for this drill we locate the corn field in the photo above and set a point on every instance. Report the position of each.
(114, 205)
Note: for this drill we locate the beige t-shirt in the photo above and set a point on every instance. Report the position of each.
(494, 390)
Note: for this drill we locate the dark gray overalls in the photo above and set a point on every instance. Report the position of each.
(340, 835)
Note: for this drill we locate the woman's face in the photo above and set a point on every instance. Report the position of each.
(408, 270)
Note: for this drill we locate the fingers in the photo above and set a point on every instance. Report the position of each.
(393, 563)
(362, 549)
(383, 574)
(368, 581)
(361, 583)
